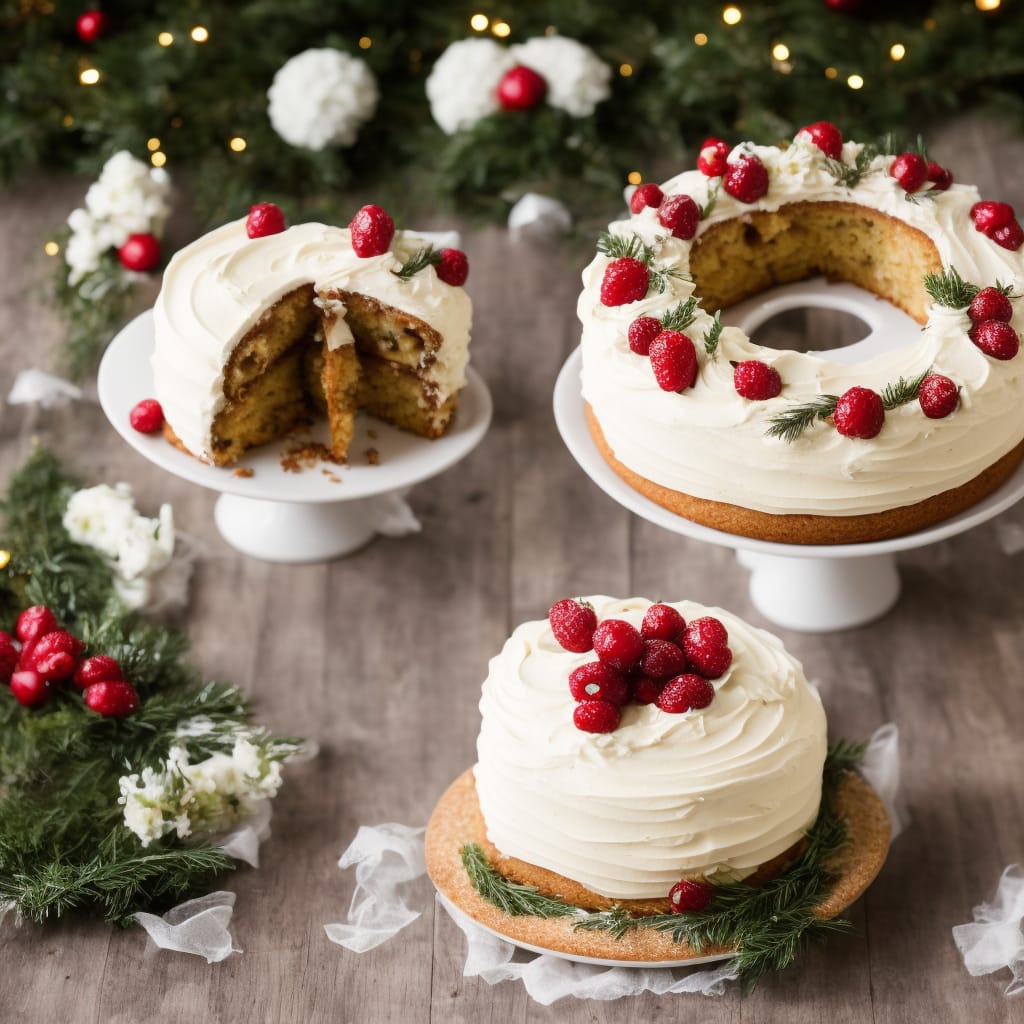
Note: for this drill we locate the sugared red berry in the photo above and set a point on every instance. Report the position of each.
(681, 215)
(147, 416)
(625, 280)
(617, 643)
(596, 716)
(662, 622)
(756, 380)
(910, 170)
(453, 267)
(859, 413)
(645, 690)
(674, 361)
(687, 896)
(30, 689)
(9, 655)
(112, 698)
(140, 253)
(371, 231)
(687, 692)
(35, 622)
(645, 195)
(521, 88)
(598, 681)
(988, 215)
(642, 331)
(713, 159)
(55, 655)
(264, 219)
(938, 396)
(940, 177)
(990, 304)
(826, 136)
(573, 625)
(97, 669)
(1009, 236)
(995, 339)
(662, 659)
(746, 180)
(705, 642)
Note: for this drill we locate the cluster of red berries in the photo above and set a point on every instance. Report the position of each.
(998, 222)
(680, 214)
(673, 354)
(49, 656)
(745, 179)
(912, 171)
(990, 312)
(860, 412)
(667, 662)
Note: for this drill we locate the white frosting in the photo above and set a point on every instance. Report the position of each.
(710, 442)
(627, 814)
(216, 289)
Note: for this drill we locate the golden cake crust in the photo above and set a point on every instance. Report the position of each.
(457, 821)
(814, 529)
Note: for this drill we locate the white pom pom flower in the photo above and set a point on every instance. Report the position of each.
(461, 85)
(577, 78)
(321, 98)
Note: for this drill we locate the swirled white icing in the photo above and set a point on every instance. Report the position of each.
(627, 814)
(710, 442)
(216, 289)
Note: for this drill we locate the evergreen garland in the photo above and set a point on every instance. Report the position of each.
(767, 924)
(63, 842)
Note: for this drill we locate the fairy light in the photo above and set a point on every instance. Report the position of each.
(855, 82)
(479, 22)
(780, 51)
(5, 559)
(177, 122)
(897, 51)
(237, 144)
(625, 70)
(153, 145)
(634, 177)
(987, 5)
(89, 76)
(67, 120)
(501, 29)
(51, 249)
(732, 15)
(199, 34)
(165, 38)
(365, 42)
(831, 73)
(158, 159)
(700, 39)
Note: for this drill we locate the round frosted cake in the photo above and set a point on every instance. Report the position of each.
(711, 789)
(801, 447)
(258, 333)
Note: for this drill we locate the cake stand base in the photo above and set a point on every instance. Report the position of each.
(284, 531)
(818, 595)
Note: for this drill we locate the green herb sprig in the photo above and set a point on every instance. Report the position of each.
(713, 334)
(949, 289)
(634, 247)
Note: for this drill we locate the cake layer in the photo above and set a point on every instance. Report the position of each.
(713, 793)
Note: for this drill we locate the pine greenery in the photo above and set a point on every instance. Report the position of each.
(713, 334)
(768, 925)
(789, 425)
(949, 289)
(903, 391)
(63, 844)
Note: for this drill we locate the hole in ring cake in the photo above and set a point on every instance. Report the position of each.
(259, 333)
(614, 810)
(798, 447)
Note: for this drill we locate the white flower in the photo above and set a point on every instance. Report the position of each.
(322, 98)
(84, 247)
(461, 85)
(577, 78)
(128, 198)
(136, 547)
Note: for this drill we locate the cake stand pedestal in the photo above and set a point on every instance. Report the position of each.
(323, 510)
(811, 588)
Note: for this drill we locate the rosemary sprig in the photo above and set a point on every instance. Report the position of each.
(850, 176)
(712, 198)
(903, 391)
(950, 289)
(789, 425)
(713, 334)
(510, 897)
(634, 247)
(681, 316)
(419, 260)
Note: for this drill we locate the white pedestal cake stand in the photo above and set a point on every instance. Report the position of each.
(812, 588)
(321, 512)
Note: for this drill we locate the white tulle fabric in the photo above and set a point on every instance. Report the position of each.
(995, 940)
(198, 926)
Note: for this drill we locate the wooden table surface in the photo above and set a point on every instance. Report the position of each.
(380, 656)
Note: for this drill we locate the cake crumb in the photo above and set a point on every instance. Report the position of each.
(244, 472)
(373, 456)
(306, 456)
(331, 476)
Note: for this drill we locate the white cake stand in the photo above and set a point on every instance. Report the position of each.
(321, 512)
(812, 588)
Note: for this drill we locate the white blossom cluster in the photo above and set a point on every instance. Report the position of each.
(206, 797)
(137, 548)
(322, 97)
(461, 85)
(128, 198)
